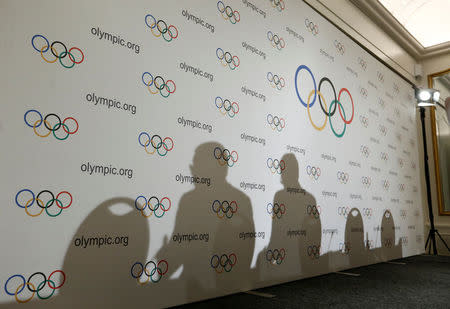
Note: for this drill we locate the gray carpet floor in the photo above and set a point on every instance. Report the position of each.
(422, 282)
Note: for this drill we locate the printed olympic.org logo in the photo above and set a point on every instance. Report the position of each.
(168, 33)
(224, 262)
(44, 287)
(384, 156)
(313, 251)
(45, 199)
(161, 86)
(388, 242)
(403, 213)
(383, 130)
(312, 27)
(342, 177)
(275, 165)
(313, 172)
(385, 184)
(339, 47)
(343, 211)
(278, 4)
(59, 54)
(366, 181)
(362, 63)
(275, 40)
(275, 256)
(228, 13)
(313, 211)
(52, 126)
(227, 107)
(380, 77)
(276, 210)
(224, 208)
(226, 58)
(345, 247)
(276, 81)
(364, 121)
(367, 212)
(403, 241)
(401, 187)
(336, 102)
(365, 151)
(151, 271)
(275, 122)
(224, 156)
(155, 143)
(363, 92)
(152, 205)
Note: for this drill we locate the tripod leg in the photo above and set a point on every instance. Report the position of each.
(443, 240)
(428, 239)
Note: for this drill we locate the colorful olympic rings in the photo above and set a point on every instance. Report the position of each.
(276, 210)
(312, 27)
(275, 165)
(276, 81)
(43, 202)
(313, 251)
(46, 46)
(313, 211)
(313, 171)
(228, 13)
(275, 122)
(343, 211)
(159, 85)
(225, 157)
(227, 107)
(224, 262)
(153, 204)
(224, 208)
(339, 47)
(232, 61)
(275, 40)
(157, 144)
(275, 256)
(36, 123)
(167, 32)
(342, 177)
(151, 270)
(278, 4)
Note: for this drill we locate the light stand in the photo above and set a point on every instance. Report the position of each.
(433, 232)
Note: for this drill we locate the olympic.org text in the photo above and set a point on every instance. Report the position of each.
(254, 8)
(193, 179)
(295, 190)
(115, 39)
(295, 34)
(106, 170)
(197, 20)
(252, 186)
(296, 149)
(194, 124)
(254, 50)
(253, 139)
(247, 235)
(296, 233)
(196, 71)
(190, 237)
(100, 241)
(253, 93)
(91, 97)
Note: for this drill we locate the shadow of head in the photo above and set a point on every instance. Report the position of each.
(212, 158)
(290, 175)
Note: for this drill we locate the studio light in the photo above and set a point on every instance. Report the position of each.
(427, 97)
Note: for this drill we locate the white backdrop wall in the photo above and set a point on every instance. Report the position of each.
(159, 153)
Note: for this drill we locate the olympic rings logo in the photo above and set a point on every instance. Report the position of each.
(163, 30)
(34, 288)
(366, 181)
(224, 209)
(383, 129)
(276, 81)
(365, 151)
(385, 184)
(226, 107)
(278, 4)
(312, 27)
(327, 111)
(153, 204)
(276, 210)
(396, 89)
(162, 146)
(275, 165)
(313, 252)
(339, 46)
(400, 162)
(44, 199)
(52, 128)
(367, 212)
(363, 91)
(232, 61)
(388, 242)
(154, 271)
(403, 213)
(313, 211)
(384, 156)
(275, 256)
(228, 13)
(313, 171)
(381, 102)
(342, 177)
(364, 121)
(275, 40)
(224, 262)
(160, 85)
(225, 156)
(380, 77)
(276, 122)
(343, 211)
(401, 187)
(369, 243)
(362, 63)
(403, 240)
(58, 55)
(345, 247)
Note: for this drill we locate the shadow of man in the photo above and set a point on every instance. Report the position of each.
(208, 256)
(97, 272)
